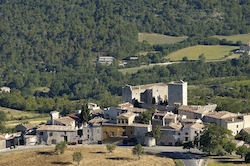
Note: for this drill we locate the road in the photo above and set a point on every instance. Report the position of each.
(192, 158)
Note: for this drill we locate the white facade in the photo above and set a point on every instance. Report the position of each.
(177, 93)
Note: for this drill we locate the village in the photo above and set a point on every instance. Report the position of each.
(122, 125)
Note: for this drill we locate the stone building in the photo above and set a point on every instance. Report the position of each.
(150, 93)
(177, 93)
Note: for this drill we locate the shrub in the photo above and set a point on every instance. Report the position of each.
(110, 147)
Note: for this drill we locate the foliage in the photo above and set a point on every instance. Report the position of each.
(243, 135)
(178, 162)
(156, 132)
(247, 157)
(241, 150)
(213, 139)
(111, 147)
(138, 150)
(188, 145)
(3, 116)
(146, 116)
(61, 147)
(85, 113)
(229, 147)
(77, 156)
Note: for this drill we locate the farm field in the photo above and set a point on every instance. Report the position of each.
(15, 117)
(238, 83)
(92, 155)
(153, 38)
(245, 38)
(211, 52)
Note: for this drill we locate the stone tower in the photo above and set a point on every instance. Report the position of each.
(177, 93)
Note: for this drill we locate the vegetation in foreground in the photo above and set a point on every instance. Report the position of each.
(244, 38)
(94, 155)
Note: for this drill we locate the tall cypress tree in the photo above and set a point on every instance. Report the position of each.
(85, 113)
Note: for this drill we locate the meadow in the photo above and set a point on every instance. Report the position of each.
(216, 52)
(92, 155)
(15, 117)
(238, 83)
(245, 38)
(153, 38)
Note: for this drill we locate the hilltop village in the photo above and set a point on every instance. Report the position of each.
(123, 124)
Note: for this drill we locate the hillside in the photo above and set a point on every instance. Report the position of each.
(92, 155)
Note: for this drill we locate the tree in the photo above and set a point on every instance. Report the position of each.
(3, 116)
(247, 157)
(85, 113)
(147, 115)
(77, 156)
(61, 147)
(185, 58)
(241, 150)
(111, 147)
(229, 147)
(213, 139)
(157, 132)
(138, 150)
(188, 145)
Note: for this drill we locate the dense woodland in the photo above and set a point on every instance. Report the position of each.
(54, 43)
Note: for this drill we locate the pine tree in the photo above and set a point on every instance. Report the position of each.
(85, 113)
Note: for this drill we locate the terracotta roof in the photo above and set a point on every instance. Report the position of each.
(2, 138)
(220, 114)
(55, 128)
(65, 120)
(196, 109)
(125, 105)
(126, 115)
(147, 86)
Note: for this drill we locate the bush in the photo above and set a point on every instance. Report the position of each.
(60, 147)
(77, 156)
(247, 157)
(110, 147)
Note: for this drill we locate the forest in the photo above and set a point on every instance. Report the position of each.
(54, 44)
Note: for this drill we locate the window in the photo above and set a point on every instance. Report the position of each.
(186, 133)
(123, 133)
(65, 132)
(88, 136)
(41, 133)
(131, 132)
(50, 134)
(112, 133)
(237, 126)
(179, 133)
(186, 138)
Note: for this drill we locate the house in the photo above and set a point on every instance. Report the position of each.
(105, 60)
(190, 131)
(5, 89)
(92, 132)
(193, 112)
(141, 131)
(65, 121)
(149, 93)
(126, 118)
(25, 128)
(12, 139)
(95, 110)
(28, 140)
(52, 134)
(245, 48)
(169, 134)
(2, 142)
(163, 118)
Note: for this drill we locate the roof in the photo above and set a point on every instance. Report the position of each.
(197, 126)
(195, 109)
(136, 110)
(177, 82)
(55, 128)
(125, 105)
(96, 112)
(190, 120)
(65, 120)
(221, 114)
(233, 119)
(74, 116)
(176, 126)
(126, 115)
(97, 120)
(28, 126)
(2, 137)
(147, 86)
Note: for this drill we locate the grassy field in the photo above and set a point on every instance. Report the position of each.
(15, 117)
(153, 38)
(245, 38)
(211, 52)
(238, 83)
(92, 155)
(133, 69)
(42, 89)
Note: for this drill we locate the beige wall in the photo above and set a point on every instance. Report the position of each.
(235, 127)
(2, 144)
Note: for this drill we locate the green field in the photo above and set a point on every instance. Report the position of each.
(211, 52)
(238, 83)
(153, 38)
(42, 89)
(245, 38)
(133, 69)
(15, 117)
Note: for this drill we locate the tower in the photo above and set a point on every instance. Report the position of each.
(177, 93)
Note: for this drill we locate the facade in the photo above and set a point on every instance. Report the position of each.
(150, 93)
(140, 132)
(245, 48)
(190, 131)
(177, 93)
(169, 134)
(2, 142)
(52, 134)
